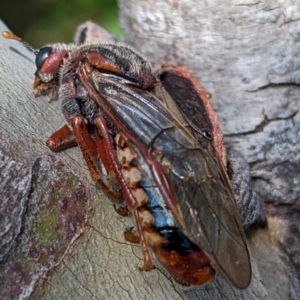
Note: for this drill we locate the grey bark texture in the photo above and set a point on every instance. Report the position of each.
(246, 55)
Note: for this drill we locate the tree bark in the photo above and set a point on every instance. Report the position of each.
(245, 55)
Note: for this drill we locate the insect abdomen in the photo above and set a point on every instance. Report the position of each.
(179, 256)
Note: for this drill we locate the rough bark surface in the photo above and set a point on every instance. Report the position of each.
(245, 54)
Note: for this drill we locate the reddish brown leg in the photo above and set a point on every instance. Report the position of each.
(61, 139)
(111, 154)
(147, 258)
(130, 199)
(86, 145)
(104, 158)
(89, 151)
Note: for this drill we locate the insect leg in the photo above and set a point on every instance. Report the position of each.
(86, 144)
(61, 139)
(89, 151)
(131, 200)
(104, 157)
(111, 154)
(64, 138)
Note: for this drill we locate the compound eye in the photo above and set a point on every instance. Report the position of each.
(42, 56)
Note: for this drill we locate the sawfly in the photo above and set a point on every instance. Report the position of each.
(152, 141)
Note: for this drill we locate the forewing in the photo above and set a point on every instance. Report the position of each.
(195, 175)
(207, 207)
(193, 103)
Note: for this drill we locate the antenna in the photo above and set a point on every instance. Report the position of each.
(10, 36)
